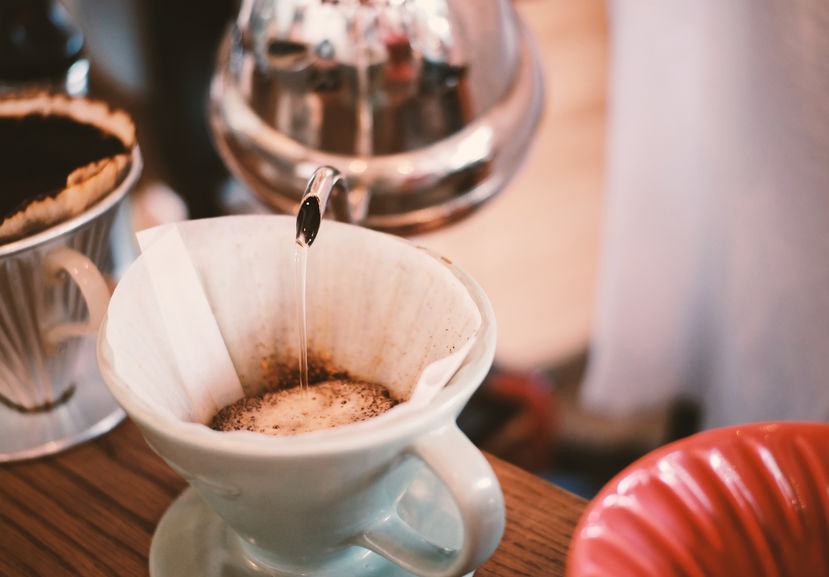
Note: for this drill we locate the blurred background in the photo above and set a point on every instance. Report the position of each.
(655, 262)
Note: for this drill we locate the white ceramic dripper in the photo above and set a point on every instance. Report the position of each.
(379, 308)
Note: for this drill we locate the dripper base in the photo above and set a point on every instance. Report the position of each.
(191, 539)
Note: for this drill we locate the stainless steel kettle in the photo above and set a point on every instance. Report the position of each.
(425, 106)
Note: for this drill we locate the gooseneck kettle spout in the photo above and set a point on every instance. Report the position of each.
(325, 183)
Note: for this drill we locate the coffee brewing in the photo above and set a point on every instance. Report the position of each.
(296, 410)
(333, 400)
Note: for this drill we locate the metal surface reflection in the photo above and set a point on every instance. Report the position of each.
(426, 106)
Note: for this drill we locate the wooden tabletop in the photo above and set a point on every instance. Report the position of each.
(91, 511)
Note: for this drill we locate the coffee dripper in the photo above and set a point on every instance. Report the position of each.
(425, 106)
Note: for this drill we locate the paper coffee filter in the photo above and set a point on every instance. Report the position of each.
(135, 344)
(378, 307)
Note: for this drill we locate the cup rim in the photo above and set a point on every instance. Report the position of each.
(347, 438)
(65, 227)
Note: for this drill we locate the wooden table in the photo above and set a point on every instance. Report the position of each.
(91, 511)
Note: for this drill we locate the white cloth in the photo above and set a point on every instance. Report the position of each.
(714, 282)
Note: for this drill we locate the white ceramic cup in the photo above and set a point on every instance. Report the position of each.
(401, 496)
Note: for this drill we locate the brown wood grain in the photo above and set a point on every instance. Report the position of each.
(540, 522)
(91, 511)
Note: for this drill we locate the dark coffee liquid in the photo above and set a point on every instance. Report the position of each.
(38, 152)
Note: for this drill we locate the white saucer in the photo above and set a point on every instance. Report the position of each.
(89, 412)
(192, 540)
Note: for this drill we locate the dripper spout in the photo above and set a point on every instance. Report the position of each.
(326, 182)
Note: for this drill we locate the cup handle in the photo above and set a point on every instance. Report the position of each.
(93, 287)
(473, 485)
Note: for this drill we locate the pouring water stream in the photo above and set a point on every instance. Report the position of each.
(325, 181)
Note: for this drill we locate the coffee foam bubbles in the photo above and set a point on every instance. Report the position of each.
(293, 411)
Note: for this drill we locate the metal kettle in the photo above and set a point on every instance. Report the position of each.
(425, 106)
